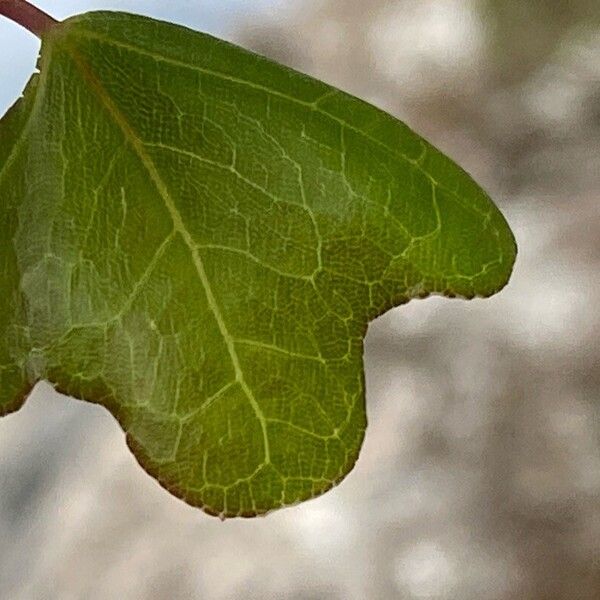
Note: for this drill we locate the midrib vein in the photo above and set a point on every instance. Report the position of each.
(180, 227)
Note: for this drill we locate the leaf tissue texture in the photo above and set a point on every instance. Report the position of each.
(196, 238)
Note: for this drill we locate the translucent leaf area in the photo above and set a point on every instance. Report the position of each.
(196, 238)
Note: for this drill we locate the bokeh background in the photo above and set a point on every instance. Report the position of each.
(480, 474)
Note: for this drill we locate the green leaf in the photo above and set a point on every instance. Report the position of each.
(196, 238)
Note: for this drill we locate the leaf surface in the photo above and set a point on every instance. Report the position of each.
(196, 238)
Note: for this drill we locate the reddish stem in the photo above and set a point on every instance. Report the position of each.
(27, 15)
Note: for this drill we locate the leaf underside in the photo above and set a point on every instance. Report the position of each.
(195, 238)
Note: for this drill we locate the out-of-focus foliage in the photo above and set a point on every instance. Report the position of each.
(523, 35)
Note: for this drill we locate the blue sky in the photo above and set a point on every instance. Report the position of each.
(19, 49)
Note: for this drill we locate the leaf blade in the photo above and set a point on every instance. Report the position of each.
(240, 225)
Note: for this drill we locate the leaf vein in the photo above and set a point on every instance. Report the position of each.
(179, 225)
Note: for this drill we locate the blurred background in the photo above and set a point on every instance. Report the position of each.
(480, 474)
